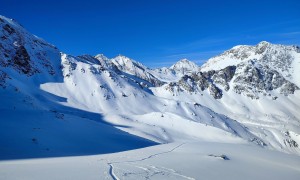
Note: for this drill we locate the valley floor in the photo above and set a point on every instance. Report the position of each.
(181, 160)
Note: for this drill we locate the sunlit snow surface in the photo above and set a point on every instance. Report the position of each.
(182, 160)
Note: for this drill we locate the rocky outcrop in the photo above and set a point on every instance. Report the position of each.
(25, 53)
(253, 79)
(3, 78)
(22, 63)
(249, 78)
(224, 76)
(201, 81)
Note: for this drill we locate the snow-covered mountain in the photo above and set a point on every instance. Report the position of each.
(184, 66)
(249, 84)
(51, 101)
(25, 54)
(284, 59)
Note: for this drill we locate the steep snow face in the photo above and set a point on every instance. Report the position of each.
(104, 61)
(129, 66)
(25, 54)
(137, 69)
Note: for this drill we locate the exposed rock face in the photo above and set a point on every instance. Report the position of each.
(187, 83)
(200, 81)
(224, 76)
(278, 57)
(288, 141)
(21, 61)
(248, 70)
(8, 29)
(3, 77)
(25, 53)
(215, 91)
(69, 65)
(253, 78)
(288, 88)
(249, 78)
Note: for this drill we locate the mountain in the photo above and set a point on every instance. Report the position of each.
(54, 104)
(256, 85)
(131, 67)
(284, 59)
(25, 54)
(176, 71)
(184, 66)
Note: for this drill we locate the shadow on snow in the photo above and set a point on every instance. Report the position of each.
(60, 131)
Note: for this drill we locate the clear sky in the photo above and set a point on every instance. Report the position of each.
(157, 32)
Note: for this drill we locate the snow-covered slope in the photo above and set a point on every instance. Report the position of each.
(255, 85)
(25, 57)
(35, 123)
(55, 104)
(127, 102)
(186, 161)
(131, 67)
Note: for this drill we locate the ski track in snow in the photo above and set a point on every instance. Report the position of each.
(111, 172)
(149, 172)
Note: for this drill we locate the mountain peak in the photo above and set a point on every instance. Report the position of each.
(122, 60)
(120, 56)
(184, 65)
(101, 57)
(263, 44)
(26, 53)
(184, 60)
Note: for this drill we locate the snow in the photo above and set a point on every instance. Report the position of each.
(27, 131)
(185, 160)
(87, 117)
(184, 66)
(296, 69)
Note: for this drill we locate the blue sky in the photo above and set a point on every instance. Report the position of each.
(157, 32)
